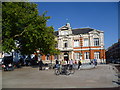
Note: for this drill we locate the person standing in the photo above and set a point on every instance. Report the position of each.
(79, 64)
(57, 64)
(61, 63)
(75, 64)
(40, 64)
(71, 64)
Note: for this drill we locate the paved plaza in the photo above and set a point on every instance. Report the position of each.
(27, 77)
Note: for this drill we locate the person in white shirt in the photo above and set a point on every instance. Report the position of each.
(71, 63)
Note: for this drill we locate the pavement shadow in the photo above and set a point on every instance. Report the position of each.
(117, 82)
(36, 66)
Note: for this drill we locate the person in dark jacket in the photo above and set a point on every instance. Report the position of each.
(40, 64)
(57, 64)
(79, 64)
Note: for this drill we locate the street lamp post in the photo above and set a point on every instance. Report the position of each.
(38, 56)
(12, 54)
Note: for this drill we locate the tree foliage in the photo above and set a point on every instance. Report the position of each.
(0, 27)
(22, 24)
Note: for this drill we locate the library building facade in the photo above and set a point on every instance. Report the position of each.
(83, 44)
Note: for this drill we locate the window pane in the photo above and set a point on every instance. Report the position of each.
(86, 43)
(97, 55)
(76, 43)
(77, 55)
(86, 55)
(56, 57)
(65, 43)
(96, 41)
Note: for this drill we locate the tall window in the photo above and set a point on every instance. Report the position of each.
(77, 56)
(76, 43)
(47, 57)
(86, 55)
(65, 44)
(55, 57)
(86, 42)
(97, 55)
(96, 41)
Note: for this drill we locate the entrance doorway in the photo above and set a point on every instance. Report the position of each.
(66, 57)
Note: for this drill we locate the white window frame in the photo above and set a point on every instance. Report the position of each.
(96, 55)
(87, 55)
(96, 42)
(65, 42)
(76, 43)
(86, 42)
(77, 56)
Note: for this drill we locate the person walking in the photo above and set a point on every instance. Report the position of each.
(40, 64)
(71, 64)
(95, 62)
(79, 64)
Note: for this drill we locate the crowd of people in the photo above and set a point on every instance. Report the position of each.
(63, 63)
(58, 64)
(71, 63)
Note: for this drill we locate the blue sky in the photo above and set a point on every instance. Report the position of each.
(98, 15)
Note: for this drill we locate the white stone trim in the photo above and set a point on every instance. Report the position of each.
(88, 49)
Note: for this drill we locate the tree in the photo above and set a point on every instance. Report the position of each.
(0, 27)
(23, 29)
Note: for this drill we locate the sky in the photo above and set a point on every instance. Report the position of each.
(97, 15)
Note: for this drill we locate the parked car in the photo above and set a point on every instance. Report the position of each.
(8, 67)
(116, 61)
(7, 63)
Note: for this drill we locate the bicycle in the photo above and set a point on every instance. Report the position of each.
(72, 69)
(62, 70)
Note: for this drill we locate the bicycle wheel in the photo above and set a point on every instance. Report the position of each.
(57, 72)
(72, 71)
(67, 72)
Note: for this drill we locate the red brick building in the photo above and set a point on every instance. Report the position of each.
(82, 43)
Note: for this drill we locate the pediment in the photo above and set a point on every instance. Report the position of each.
(64, 28)
(95, 32)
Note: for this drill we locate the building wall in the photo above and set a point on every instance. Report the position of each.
(66, 36)
(113, 52)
